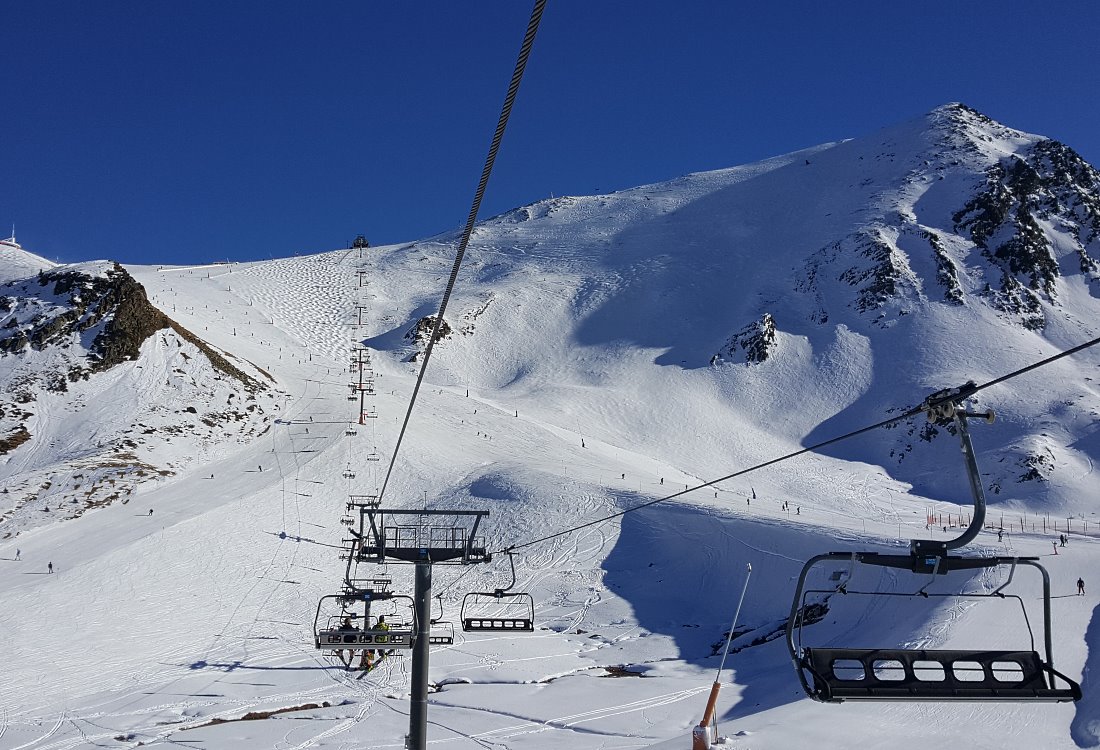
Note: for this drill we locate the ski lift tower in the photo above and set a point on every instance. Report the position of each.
(422, 538)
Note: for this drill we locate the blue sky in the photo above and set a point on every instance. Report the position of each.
(158, 131)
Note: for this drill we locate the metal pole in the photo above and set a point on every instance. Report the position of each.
(733, 625)
(699, 738)
(418, 709)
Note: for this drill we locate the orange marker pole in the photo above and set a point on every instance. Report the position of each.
(700, 735)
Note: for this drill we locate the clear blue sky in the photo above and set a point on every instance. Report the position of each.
(152, 131)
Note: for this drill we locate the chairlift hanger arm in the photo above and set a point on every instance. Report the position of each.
(498, 593)
(945, 407)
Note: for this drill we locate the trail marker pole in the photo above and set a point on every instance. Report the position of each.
(701, 736)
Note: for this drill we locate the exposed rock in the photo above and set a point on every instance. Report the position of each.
(14, 440)
(947, 273)
(757, 341)
(1051, 183)
(423, 329)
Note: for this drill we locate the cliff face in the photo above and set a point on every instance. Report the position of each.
(62, 307)
(98, 306)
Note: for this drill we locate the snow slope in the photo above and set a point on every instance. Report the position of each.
(596, 361)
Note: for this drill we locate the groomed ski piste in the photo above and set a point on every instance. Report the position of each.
(577, 382)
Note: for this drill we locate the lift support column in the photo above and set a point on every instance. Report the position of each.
(418, 709)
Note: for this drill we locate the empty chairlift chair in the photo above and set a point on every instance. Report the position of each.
(835, 674)
(500, 611)
(888, 673)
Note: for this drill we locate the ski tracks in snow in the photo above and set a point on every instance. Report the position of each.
(571, 721)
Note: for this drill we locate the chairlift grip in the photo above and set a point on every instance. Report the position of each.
(931, 578)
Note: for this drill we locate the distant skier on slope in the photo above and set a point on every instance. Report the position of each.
(1080, 587)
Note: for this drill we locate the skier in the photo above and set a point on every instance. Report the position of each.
(17, 554)
(1055, 545)
(150, 511)
(346, 627)
(49, 566)
(1080, 587)
(372, 657)
(1000, 534)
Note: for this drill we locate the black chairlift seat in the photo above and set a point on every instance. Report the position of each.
(498, 624)
(518, 615)
(441, 634)
(849, 674)
(337, 631)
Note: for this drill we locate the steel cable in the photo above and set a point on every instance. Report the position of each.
(506, 111)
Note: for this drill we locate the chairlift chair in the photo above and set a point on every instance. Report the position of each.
(331, 633)
(348, 473)
(442, 632)
(499, 611)
(372, 455)
(834, 675)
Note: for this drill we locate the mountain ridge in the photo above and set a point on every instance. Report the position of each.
(604, 352)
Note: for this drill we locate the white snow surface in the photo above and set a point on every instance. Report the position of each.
(584, 375)
(17, 263)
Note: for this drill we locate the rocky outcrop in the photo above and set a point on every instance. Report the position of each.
(753, 344)
(423, 329)
(1051, 185)
(60, 305)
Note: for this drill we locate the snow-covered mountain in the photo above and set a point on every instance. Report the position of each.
(599, 351)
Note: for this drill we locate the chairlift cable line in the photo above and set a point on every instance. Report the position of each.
(502, 122)
(908, 414)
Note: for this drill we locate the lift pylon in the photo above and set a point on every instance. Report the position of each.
(423, 538)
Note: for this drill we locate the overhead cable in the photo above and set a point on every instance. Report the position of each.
(506, 111)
